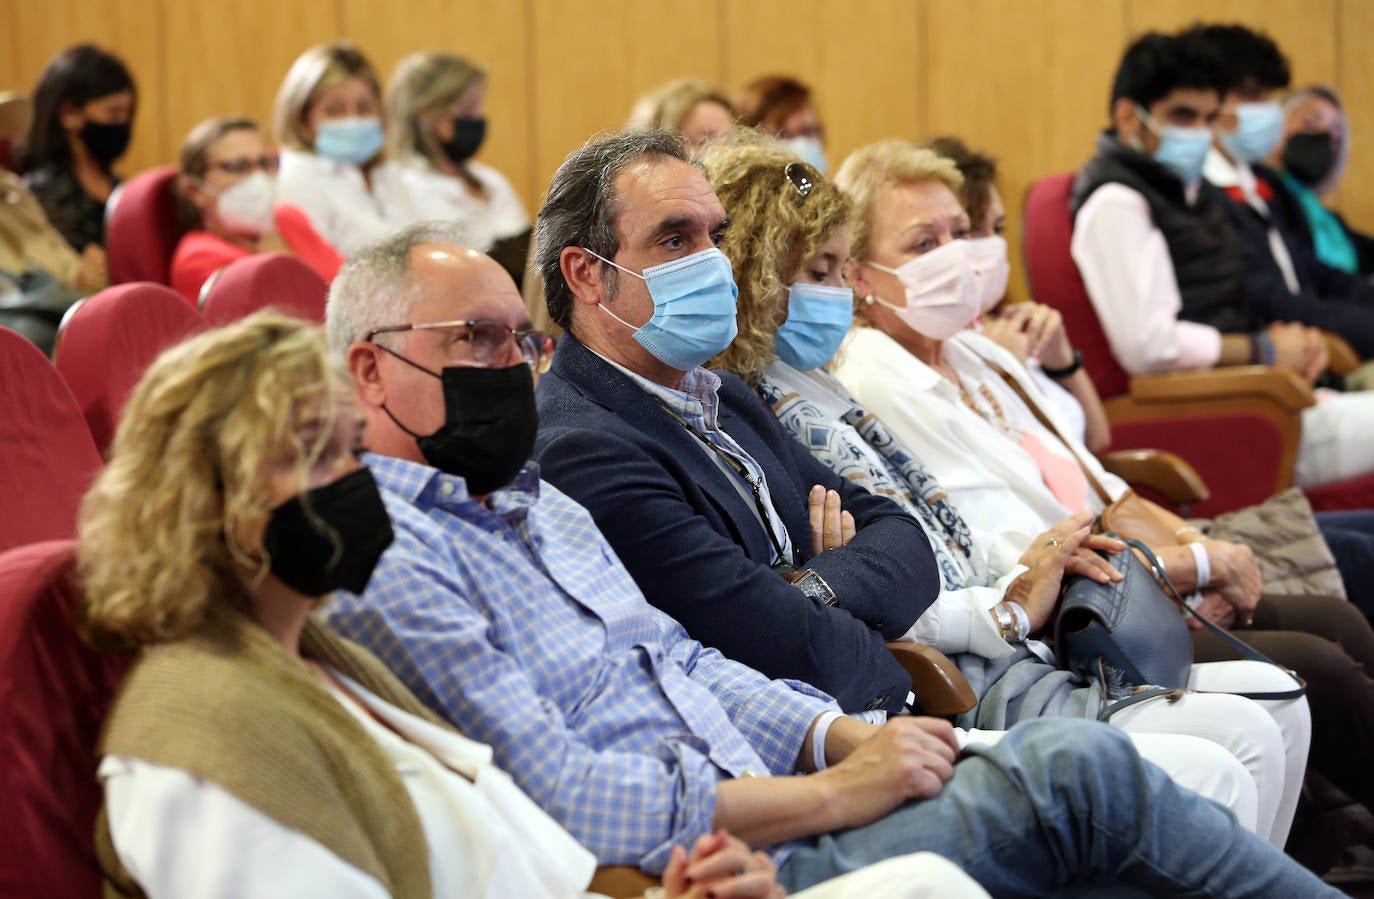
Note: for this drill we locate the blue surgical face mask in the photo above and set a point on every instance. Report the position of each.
(811, 151)
(1182, 151)
(352, 140)
(1258, 132)
(818, 318)
(694, 308)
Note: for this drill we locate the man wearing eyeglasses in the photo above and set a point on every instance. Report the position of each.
(502, 607)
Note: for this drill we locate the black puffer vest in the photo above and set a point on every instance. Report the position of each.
(1208, 260)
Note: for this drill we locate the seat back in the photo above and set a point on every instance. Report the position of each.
(262, 281)
(143, 229)
(55, 692)
(1055, 280)
(107, 343)
(47, 456)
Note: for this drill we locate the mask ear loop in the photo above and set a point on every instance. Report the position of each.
(390, 352)
(602, 306)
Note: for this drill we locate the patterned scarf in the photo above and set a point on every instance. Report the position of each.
(902, 477)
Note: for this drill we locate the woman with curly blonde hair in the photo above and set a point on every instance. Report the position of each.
(252, 751)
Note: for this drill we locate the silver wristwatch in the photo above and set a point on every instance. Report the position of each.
(813, 585)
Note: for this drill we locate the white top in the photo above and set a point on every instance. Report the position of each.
(958, 620)
(485, 837)
(336, 198)
(995, 484)
(1129, 274)
(415, 191)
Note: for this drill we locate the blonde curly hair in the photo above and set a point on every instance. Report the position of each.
(161, 531)
(773, 231)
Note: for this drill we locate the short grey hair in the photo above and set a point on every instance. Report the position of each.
(376, 286)
(581, 208)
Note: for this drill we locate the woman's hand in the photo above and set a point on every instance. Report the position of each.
(1215, 609)
(1041, 332)
(831, 526)
(718, 867)
(1068, 547)
(1235, 576)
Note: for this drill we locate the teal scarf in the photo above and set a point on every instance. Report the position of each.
(1332, 244)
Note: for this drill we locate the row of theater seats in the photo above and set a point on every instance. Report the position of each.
(1237, 427)
(59, 419)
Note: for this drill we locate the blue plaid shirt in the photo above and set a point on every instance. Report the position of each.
(517, 623)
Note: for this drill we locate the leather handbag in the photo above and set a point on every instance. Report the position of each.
(1131, 633)
(1130, 627)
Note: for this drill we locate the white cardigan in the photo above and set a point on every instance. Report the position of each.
(336, 199)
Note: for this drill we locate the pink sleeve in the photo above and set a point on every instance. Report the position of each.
(1130, 279)
(306, 243)
(199, 255)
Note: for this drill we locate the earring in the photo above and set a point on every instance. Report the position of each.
(869, 299)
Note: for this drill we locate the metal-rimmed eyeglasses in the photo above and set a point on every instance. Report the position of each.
(490, 341)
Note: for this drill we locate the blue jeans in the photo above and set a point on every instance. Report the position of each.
(1351, 538)
(1060, 805)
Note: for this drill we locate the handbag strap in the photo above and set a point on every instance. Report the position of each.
(1049, 424)
(1240, 646)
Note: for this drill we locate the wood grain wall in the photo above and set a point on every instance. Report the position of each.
(1027, 81)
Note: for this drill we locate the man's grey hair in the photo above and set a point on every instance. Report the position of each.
(376, 286)
(581, 208)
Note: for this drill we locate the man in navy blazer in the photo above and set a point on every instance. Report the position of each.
(703, 495)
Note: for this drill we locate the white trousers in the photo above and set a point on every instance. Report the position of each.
(1269, 738)
(1337, 441)
(921, 875)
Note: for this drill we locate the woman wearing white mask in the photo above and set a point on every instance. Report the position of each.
(227, 198)
(328, 121)
(435, 125)
(1033, 332)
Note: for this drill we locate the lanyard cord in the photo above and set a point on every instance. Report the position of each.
(754, 485)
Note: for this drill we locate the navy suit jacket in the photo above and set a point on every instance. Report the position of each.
(697, 549)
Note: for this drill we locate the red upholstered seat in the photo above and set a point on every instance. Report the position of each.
(55, 692)
(143, 230)
(47, 456)
(265, 280)
(109, 340)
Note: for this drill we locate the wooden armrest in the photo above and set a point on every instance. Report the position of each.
(621, 882)
(939, 685)
(1341, 356)
(1279, 385)
(1163, 472)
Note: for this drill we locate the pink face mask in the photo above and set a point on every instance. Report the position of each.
(990, 270)
(941, 291)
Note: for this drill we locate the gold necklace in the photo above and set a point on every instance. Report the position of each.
(998, 418)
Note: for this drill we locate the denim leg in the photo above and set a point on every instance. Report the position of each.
(1059, 804)
(1351, 538)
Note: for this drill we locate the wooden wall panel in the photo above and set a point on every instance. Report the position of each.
(1355, 81)
(866, 76)
(495, 36)
(592, 58)
(1031, 91)
(221, 60)
(130, 28)
(1305, 29)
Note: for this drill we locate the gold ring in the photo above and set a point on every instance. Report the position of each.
(1055, 543)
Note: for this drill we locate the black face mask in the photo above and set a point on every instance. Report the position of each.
(329, 538)
(490, 422)
(468, 135)
(106, 143)
(1309, 157)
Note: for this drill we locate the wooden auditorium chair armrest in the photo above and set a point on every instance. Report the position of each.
(621, 882)
(1159, 470)
(939, 685)
(1282, 386)
(1341, 356)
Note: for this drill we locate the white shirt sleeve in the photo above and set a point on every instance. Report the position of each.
(958, 620)
(1129, 274)
(181, 836)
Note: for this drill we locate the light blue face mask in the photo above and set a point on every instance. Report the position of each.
(1258, 132)
(694, 308)
(352, 140)
(811, 151)
(818, 318)
(1182, 151)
